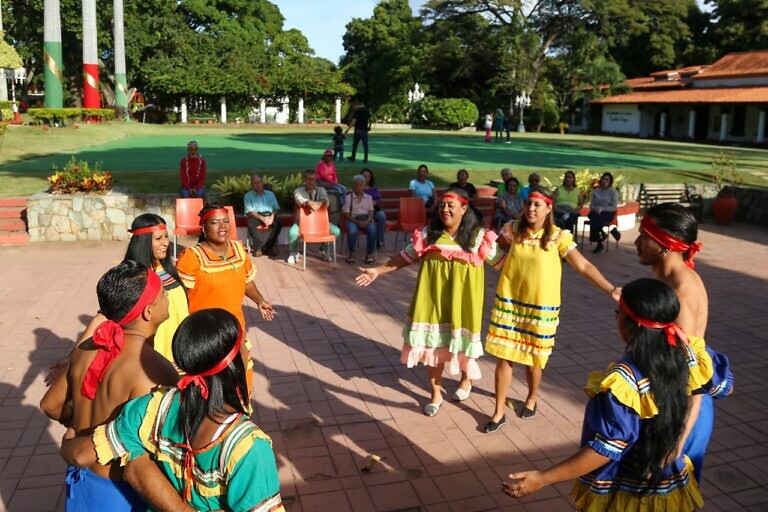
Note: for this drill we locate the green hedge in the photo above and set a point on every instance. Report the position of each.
(445, 112)
(64, 115)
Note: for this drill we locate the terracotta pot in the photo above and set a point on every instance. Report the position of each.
(724, 208)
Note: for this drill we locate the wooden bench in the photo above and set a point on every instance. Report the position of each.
(652, 194)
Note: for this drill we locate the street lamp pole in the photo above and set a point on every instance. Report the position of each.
(522, 101)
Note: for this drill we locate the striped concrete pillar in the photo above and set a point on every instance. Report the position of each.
(91, 98)
(121, 82)
(54, 91)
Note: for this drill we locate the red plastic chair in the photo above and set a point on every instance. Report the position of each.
(187, 218)
(232, 223)
(412, 216)
(315, 228)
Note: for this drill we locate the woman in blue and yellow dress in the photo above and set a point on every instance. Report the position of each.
(525, 313)
(635, 417)
(446, 311)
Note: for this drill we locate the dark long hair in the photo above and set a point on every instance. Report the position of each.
(467, 232)
(213, 205)
(140, 246)
(371, 183)
(665, 367)
(202, 340)
(120, 288)
(549, 225)
(676, 220)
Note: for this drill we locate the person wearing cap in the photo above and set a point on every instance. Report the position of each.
(328, 179)
(192, 169)
(204, 448)
(116, 364)
(667, 243)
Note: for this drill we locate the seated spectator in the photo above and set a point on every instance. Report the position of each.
(261, 209)
(602, 208)
(198, 433)
(462, 182)
(379, 216)
(506, 173)
(568, 201)
(358, 214)
(311, 198)
(192, 169)
(327, 178)
(534, 180)
(509, 205)
(423, 188)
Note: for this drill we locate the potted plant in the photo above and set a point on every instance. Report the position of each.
(79, 176)
(725, 176)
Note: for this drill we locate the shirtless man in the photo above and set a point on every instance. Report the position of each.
(118, 363)
(667, 243)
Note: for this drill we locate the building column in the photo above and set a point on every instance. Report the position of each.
(262, 111)
(301, 110)
(223, 117)
(183, 110)
(52, 60)
(121, 81)
(761, 127)
(663, 125)
(691, 124)
(338, 111)
(723, 126)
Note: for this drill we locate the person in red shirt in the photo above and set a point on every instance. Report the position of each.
(192, 172)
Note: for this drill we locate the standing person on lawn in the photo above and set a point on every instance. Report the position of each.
(667, 243)
(525, 314)
(446, 311)
(219, 274)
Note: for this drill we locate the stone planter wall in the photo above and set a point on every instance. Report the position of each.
(68, 218)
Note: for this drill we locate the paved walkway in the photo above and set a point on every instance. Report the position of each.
(331, 389)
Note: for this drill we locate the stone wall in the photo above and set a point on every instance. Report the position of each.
(72, 217)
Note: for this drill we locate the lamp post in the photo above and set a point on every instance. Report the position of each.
(522, 101)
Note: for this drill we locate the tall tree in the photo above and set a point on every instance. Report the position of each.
(740, 25)
(381, 52)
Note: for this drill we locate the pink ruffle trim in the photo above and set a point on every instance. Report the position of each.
(455, 363)
(476, 257)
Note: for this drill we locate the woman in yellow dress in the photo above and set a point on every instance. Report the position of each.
(149, 246)
(525, 313)
(446, 311)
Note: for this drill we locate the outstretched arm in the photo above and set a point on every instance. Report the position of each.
(590, 272)
(369, 275)
(527, 482)
(265, 308)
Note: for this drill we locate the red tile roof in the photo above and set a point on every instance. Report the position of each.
(692, 95)
(737, 65)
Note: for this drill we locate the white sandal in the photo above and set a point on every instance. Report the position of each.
(462, 394)
(432, 409)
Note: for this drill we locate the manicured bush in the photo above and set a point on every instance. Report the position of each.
(6, 110)
(64, 115)
(445, 112)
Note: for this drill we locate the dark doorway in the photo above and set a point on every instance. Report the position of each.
(702, 123)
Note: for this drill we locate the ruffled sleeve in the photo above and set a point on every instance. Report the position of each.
(565, 242)
(415, 250)
(626, 387)
(188, 266)
(610, 427)
(720, 385)
(700, 368)
(489, 249)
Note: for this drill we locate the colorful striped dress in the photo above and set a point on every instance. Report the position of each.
(526, 310)
(236, 471)
(446, 311)
(621, 399)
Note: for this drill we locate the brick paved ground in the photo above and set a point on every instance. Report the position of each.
(331, 389)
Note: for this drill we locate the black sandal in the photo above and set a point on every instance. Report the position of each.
(528, 413)
(493, 426)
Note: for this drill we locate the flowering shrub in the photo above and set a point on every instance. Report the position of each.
(78, 176)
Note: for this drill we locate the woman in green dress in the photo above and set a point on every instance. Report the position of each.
(446, 311)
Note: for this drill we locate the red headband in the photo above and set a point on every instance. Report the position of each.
(457, 197)
(213, 212)
(669, 242)
(148, 229)
(539, 195)
(108, 337)
(671, 329)
(199, 380)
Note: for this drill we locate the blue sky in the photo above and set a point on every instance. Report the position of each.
(323, 22)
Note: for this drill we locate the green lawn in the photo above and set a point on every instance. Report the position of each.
(144, 158)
